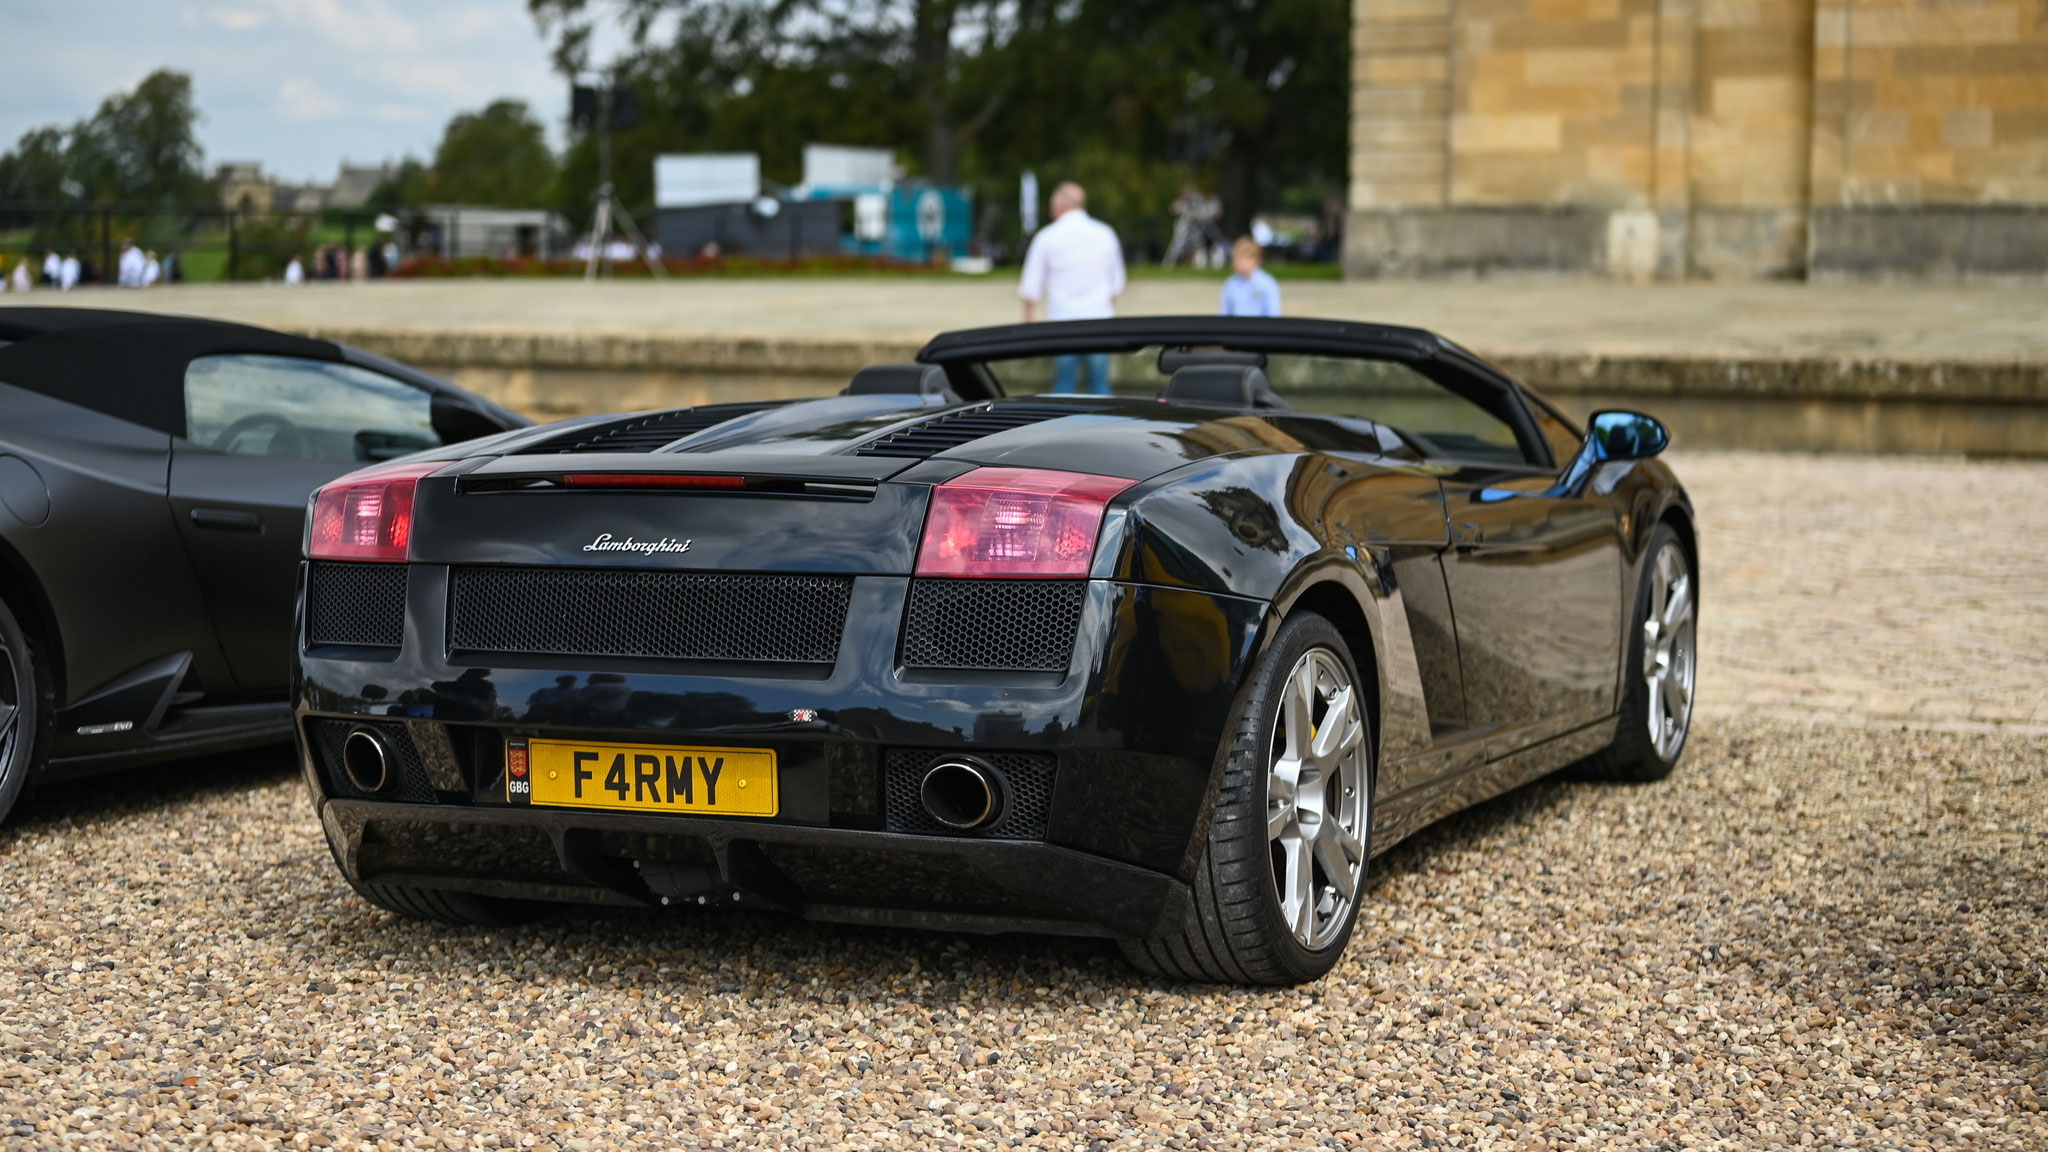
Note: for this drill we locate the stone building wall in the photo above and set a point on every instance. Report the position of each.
(1700, 138)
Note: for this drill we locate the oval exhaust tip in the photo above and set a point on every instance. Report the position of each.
(364, 762)
(961, 794)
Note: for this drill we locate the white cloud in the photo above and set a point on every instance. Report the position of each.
(234, 19)
(301, 99)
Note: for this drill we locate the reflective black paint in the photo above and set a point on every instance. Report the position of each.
(1485, 603)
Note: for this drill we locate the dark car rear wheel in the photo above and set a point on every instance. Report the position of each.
(1277, 889)
(25, 709)
(1656, 706)
(441, 906)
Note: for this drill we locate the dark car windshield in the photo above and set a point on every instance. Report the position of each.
(1441, 423)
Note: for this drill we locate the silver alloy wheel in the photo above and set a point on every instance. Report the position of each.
(13, 682)
(1318, 798)
(1668, 651)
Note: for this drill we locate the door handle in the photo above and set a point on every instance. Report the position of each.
(1465, 535)
(226, 520)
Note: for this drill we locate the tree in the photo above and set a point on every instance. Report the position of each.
(37, 169)
(406, 187)
(139, 148)
(1134, 98)
(918, 41)
(497, 156)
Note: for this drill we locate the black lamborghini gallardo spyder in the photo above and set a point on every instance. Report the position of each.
(945, 651)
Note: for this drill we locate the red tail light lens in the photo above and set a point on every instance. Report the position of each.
(367, 515)
(1015, 522)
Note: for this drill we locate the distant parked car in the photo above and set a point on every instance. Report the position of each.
(154, 475)
(1168, 667)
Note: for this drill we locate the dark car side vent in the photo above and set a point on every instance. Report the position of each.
(645, 433)
(928, 438)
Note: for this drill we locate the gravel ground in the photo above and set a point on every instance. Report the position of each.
(1810, 935)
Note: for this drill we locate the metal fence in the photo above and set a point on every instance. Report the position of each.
(212, 243)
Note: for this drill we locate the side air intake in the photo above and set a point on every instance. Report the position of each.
(928, 438)
(647, 432)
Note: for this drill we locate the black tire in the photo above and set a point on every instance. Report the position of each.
(1635, 757)
(26, 706)
(1238, 932)
(443, 906)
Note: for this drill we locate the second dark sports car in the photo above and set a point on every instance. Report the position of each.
(1170, 668)
(154, 472)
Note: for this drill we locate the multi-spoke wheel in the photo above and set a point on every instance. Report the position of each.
(24, 709)
(1656, 707)
(1278, 885)
(1317, 799)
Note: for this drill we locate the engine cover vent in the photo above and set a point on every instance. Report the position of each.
(647, 432)
(928, 438)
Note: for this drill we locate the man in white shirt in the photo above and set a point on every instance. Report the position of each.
(1076, 266)
(53, 267)
(68, 272)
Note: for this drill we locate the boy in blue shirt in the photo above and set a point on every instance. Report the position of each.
(1251, 290)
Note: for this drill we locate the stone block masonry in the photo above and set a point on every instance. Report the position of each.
(1672, 139)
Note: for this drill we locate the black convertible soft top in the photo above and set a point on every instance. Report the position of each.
(130, 364)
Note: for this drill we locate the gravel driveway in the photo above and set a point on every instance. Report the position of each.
(1811, 934)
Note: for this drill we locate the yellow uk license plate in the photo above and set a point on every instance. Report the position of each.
(641, 777)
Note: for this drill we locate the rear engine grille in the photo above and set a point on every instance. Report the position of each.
(645, 433)
(412, 784)
(1001, 625)
(930, 437)
(1027, 793)
(355, 604)
(675, 615)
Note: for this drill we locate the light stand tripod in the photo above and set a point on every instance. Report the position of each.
(607, 212)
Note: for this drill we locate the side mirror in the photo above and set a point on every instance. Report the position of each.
(1613, 435)
(1619, 435)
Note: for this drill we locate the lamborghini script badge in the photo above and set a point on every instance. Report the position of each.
(605, 543)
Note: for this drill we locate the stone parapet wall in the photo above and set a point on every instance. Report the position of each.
(1700, 138)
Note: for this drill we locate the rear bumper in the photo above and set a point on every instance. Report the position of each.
(820, 873)
(1127, 735)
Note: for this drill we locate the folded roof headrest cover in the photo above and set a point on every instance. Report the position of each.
(906, 379)
(1239, 386)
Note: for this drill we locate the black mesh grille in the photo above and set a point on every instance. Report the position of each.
(930, 437)
(1005, 625)
(355, 604)
(1027, 793)
(676, 615)
(645, 433)
(412, 785)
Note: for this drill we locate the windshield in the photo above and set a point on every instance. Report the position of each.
(1441, 423)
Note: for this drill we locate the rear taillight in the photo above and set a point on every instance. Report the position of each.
(367, 515)
(1015, 522)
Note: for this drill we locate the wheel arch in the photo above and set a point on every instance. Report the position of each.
(24, 594)
(1679, 517)
(1329, 595)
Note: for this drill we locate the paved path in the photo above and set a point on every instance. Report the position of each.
(1873, 590)
(1499, 317)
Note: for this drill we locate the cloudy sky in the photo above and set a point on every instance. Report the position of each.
(295, 84)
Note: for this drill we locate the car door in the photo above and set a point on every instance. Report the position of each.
(262, 432)
(1534, 572)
